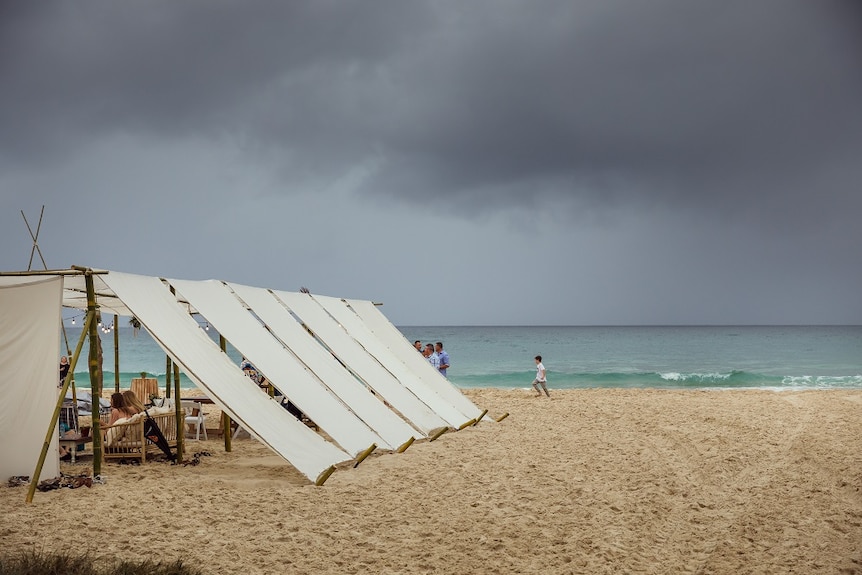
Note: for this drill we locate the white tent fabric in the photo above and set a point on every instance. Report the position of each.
(340, 381)
(395, 340)
(360, 362)
(224, 311)
(179, 335)
(409, 378)
(29, 372)
(75, 295)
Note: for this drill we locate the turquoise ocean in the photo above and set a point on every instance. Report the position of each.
(675, 357)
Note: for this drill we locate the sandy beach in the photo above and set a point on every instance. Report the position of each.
(590, 481)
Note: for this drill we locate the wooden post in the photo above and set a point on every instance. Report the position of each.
(181, 423)
(225, 418)
(167, 375)
(117, 354)
(52, 426)
(95, 366)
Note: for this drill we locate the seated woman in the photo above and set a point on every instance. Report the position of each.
(132, 402)
(119, 409)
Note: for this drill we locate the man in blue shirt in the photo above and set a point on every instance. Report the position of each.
(443, 358)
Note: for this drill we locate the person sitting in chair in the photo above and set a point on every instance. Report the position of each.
(132, 402)
(119, 409)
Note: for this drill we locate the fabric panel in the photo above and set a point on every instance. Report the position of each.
(395, 340)
(29, 370)
(224, 311)
(357, 358)
(217, 376)
(370, 409)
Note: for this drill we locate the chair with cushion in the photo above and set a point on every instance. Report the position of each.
(195, 417)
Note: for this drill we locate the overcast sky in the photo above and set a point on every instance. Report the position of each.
(465, 163)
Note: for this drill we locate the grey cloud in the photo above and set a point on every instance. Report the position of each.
(611, 143)
(488, 104)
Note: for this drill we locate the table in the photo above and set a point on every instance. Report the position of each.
(71, 442)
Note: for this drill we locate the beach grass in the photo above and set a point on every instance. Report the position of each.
(69, 563)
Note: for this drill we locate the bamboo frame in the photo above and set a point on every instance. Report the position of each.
(467, 424)
(116, 354)
(178, 410)
(481, 415)
(405, 445)
(95, 369)
(361, 457)
(502, 417)
(436, 434)
(225, 418)
(167, 376)
(324, 475)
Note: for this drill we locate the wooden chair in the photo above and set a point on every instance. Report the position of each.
(127, 440)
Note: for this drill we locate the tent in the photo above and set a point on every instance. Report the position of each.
(334, 388)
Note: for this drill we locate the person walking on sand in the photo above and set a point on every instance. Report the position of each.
(541, 378)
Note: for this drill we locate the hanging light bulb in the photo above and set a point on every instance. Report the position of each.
(208, 326)
(73, 321)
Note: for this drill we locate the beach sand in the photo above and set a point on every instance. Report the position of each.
(590, 481)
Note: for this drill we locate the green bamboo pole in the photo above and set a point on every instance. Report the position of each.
(116, 354)
(225, 418)
(95, 366)
(52, 426)
(181, 423)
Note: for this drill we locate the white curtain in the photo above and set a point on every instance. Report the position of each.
(29, 372)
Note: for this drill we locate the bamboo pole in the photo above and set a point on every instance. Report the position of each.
(95, 367)
(481, 415)
(436, 434)
(467, 424)
(52, 426)
(116, 354)
(167, 376)
(361, 457)
(405, 445)
(324, 475)
(180, 419)
(225, 418)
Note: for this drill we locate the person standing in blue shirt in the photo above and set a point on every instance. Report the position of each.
(443, 358)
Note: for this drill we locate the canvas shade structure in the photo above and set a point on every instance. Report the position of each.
(360, 362)
(329, 369)
(410, 378)
(29, 369)
(171, 326)
(228, 315)
(386, 332)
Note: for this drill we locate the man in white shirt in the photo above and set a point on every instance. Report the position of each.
(432, 356)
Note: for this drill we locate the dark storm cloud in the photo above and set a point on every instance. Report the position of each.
(488, 104)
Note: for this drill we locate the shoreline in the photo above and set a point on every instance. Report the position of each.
(590, 480)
